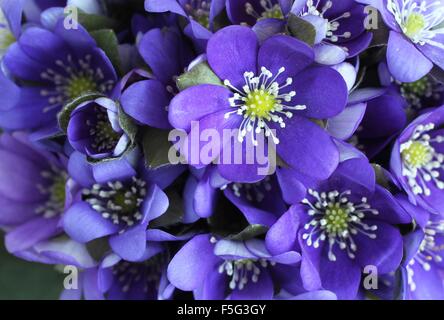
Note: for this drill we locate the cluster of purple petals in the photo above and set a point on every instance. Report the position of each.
(348, 93)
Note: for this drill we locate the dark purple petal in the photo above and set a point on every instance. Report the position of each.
(384, 252)
(342, 276)
(147, 102)
(282, 236)
(231, 52)
(323, 90)
(307, 148)
(284, 51)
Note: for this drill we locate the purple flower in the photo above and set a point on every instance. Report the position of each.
(417, 161)
(424, 255)
(420, 95)
(61, 65)
(94, 129)
(260, 202)
(115, 201)
(10, 23)
(117, 279)
(416, 31)
(343, 225)
(340, 29)
(274, 90)
(145, 97)
(33, 194)
(252, 11)
(237, 270)
(199, 12)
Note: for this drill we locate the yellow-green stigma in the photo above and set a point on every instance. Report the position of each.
(259, 103)
(55, 191)
(415, 23)
(79, 86)
(417, 154)
(336, 218)
(422, 161)
(6, 39)
(418, 88)
(120, 203)
(274, 12)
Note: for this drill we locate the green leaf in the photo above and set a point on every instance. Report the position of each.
(250, 232)
(301, 29)
(107, 40)
(22, 280)
(173, 215)
(381, 177)
(93, 22)
(65, 113)
(156, 147)
(98, 248)
(128, 125)
(199, 74)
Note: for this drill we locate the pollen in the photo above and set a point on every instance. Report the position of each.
(415, 23)
(79, 86)
(417, 154)
(260, 103)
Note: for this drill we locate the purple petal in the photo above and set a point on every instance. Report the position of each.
(147, 102)
(405, 62)
(344, 125)
(187, 270)
(30, 233)
(83, 224)
(385, 252)
(231, 52)
(307, 148)
(131, 244)
(322, 90)
(284, 51)
(197, 102)
(282, 236)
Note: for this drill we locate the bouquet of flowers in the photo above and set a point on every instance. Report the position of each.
(225, 149)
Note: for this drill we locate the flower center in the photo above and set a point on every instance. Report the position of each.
(336, 219)
(253, 192)
(79, 86)
(6, 36)
(200, 11)
(105, 138)
(118, 202)
(72, 78)
(417, 154)
(332, 25)
(422, 163)
(419, 20)
(414, 24)
(242, 271)
(56, 191)
(429, 251)
(260, 101)
(145, 275)
(269, 10)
